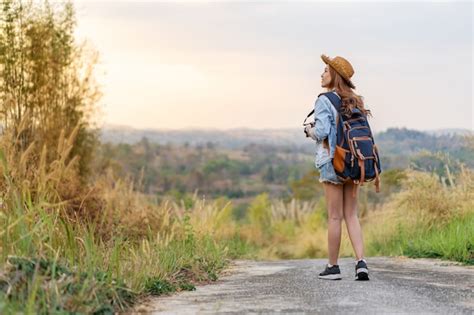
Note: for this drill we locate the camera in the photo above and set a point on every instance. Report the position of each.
(307, 124)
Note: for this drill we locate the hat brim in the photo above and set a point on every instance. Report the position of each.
(328, 61)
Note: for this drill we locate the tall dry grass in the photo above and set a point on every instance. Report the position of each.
(72, 248)
(425, 208)
(424, 205)
(294, 229)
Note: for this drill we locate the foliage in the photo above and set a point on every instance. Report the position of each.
(244, 172)
(426, 219)
(172, 170)
(47, 91)
(68, 245)
(60, 264)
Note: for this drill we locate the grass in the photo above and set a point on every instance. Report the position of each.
(453, 241)
(66, 248)
(427, 219)
(103, 248)
(63, 267)
(52, 262)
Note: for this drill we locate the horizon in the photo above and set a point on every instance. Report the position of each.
(188, 129)
(170, 59)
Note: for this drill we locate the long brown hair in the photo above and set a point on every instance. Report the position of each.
(350, 100)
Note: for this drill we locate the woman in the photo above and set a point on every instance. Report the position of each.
(340, 198)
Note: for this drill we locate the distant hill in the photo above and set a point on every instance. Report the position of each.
(396, 145)
(231, 139)
(399, 144)
(450, 132)
(237, 138)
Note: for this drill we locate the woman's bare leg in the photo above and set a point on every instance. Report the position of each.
(334, 195)
(352, 220)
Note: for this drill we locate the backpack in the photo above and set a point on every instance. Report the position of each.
(356, 156)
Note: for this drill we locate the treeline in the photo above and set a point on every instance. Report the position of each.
(160, 169)
(397, 145)
(281, 171)
(400, 146)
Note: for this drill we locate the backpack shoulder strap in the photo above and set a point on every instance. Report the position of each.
(335, 100)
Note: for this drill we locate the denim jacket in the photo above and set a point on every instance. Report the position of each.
(324, 128)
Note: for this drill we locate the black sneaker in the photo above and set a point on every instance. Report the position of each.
(361, 270)
(331, 273)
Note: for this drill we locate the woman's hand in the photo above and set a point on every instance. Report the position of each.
(308, 130)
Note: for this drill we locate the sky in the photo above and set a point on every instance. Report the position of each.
(234, 64)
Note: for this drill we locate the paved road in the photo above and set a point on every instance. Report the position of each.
(397, 285)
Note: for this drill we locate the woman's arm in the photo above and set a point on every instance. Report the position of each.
(322, 119)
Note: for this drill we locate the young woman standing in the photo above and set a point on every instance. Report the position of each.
(341, 197)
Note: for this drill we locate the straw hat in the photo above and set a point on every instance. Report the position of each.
(342, 66)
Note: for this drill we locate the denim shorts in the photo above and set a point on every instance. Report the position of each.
(327, 174)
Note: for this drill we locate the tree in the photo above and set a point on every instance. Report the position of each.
(47, 87)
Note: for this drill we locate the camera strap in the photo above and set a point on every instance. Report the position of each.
(311, 113)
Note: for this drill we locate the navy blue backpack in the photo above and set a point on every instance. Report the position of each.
(356, 156)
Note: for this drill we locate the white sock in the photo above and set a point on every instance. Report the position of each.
(329, 265)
